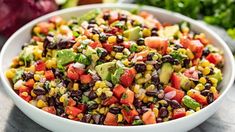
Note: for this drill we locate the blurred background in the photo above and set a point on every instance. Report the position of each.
(219, 15)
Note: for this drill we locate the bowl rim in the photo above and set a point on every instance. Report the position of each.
(11, 92)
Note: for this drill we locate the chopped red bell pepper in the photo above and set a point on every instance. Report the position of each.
(50, 109)
(110, 119)
(74, 73)
(40, 66)
(95, 45)
(175, 81)
(199, 98)
(127, 77)
(71, 102)
(30, 83)
(118, 91)
(129, 115)
(214, 58)
(49, 75)
(179, 93)
(149, 117)
(85, 79)
(70, 110)
(109, 101)
(178, 113)
(108, 47)
(127, 97)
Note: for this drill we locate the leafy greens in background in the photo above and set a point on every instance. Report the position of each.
(216, 12)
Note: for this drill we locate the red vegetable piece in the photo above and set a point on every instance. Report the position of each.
(50, 109)
(49, 75)
(158, 43)
(199, 98)
(108, 47)
(40, 66)
(196, 47)
(129, 115)
(70, 110)
(127, 78)
(175, 81)
(149, 117)
(110, 119)
(85, 79)
(178, 113)
(109, 101)
(214, 58)
(118, 91)
(179, 93)
(95, 45)
(127, 97)
(30, 83)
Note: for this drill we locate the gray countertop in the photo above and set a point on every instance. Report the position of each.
(13, 120)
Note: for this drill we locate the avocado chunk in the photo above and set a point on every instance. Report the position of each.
(217, 75)
(185, 83)
(88, 16)
(165, 73)
(65, 56)
(92, 53)
(169, 31)
(116, 76)
(27, 55)
(132, 34)
(103, 70)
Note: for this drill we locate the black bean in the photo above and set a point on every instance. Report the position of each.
(27, 75)
(151, 93)
(103, 37)
(158, 65)
(123, 17)
(137, 103)
(186, 63)
(49, 43)
(24, 45)
(200, 74)
(92, 21)
(211, 71)
(210, 98)
(58, 74)
(96, 118)
(39, 91)
(51, 101)
(103, 96)
(205, 92)
(114, 110)
(95, 31)
(159, 120)
(154, 33)
(154, 29)
(90, 26)
(207, 86)
(144, 109)
(65, 43)
(177, 46)
(102, 118)
(163, 112)
(86, 118)
(150, 56)
(167, 58)
(174, 104)
(92, 95)
(155, 79)
(93, 106)
(64, 115)
(140, 41)
(59, 110)
(65, 82)
(77, 93)
(206, 51)
(118, 48)
(140, 67)
(106, 16)
(119, 39)
(84, 87)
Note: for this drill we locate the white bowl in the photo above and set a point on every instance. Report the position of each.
(13, 46)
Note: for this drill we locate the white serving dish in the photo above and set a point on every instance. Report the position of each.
(13, 46)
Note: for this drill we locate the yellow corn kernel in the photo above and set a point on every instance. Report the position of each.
(189, 112)
(62, 90)
(146, 32)
(126, 62)
(108, 93)
(62, 99)
(202, 80)
(140, 81)
(198, 108)
(36, 29)
(37, 54)
(206, 71)
(162, 102)
(41, 104)
(214, 81)
(52, 92)
(107, 57)
(75, 86)
(51, 63)
(113, 53)
(190, 54)
(112, 39)
(199, 87)
(95, 37)
(99, 91)
(147, 72)
(169, 49)
(177, 67)
(33, 102)
(213, 90)
(150, 99)
(37, 77)
(141, 97)
(138, 75)
(205, 63)
(136, 88)
(145, 99)
(98, 100)
(200, 68)
(102, 110)
(191, 92)
(10, 73)
(150, 87)
(24, 94)
(33, 94)
(182, 51)
(80, 116)
(147, 77)
(149, 67)
(156, 112)
(119, 56)
(120, 118)
(100, 84)
(169, 108)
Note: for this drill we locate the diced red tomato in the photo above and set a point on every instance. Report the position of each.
(109, 101)
(129, 115)
(178, 113)
(127, 97)
(82, 107)
(214, 58)
(71, 102)
(191, 73)
(175, 81)
(74, 73)
(40, 66)
(24, 89)
(179, 93)
(118, 91)
(26, 98)
(30, 83)
(110, 119)
(127, 78)
(199, 98)
(95, 45)
(108, 47)
(70, 110)
(49, 75)
(196, 47)
(185, 41)
(50, 109)
(85, 78)
(158, 43)
(36, 38)
(149, 117)
(126, 44)
(44, 27)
